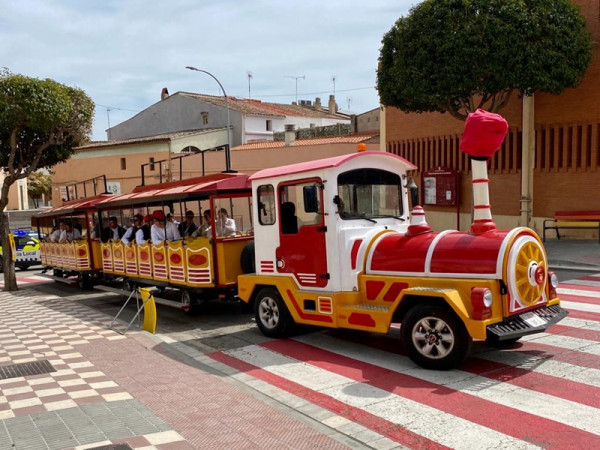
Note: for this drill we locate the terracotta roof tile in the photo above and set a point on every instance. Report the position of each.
(260, 108)
(346, 139)
(140, 140)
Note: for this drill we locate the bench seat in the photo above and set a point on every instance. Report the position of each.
(573, 220)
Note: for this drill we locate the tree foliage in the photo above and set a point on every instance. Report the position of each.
(460, 55)
(41, 122)
(38, 184)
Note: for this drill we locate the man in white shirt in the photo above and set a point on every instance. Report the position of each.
(69, 234)
(225, 225)
(163, 230)
(131, 232)
(55, 235)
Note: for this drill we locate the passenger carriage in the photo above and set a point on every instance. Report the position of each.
(197, 267)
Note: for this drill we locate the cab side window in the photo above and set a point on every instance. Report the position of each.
(266, 204)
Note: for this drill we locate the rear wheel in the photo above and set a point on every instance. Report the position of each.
(189, 303)
(247, 258)
(435, 337)
(272, 316)
(84, 281)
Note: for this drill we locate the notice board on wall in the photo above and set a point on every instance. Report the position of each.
(441, 187)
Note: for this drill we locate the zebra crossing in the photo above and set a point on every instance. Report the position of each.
(544, 392)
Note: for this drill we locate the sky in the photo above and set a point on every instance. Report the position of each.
(123, 52)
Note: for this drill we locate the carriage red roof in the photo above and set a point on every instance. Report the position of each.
(75, 205)
(319, 164)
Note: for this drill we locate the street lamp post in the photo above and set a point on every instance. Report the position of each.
(228, 150)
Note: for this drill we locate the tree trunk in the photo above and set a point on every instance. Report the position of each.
(10, 279)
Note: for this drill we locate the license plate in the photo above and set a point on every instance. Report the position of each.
(533, 320)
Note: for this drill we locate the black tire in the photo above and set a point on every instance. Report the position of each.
(272, 316)
(128, 285)
(247, 258)
(189, 302)
(84, 281)
(434, 337)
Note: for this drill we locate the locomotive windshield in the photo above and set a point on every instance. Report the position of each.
(369, 194)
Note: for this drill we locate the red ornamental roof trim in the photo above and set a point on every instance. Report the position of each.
(326, 163)
(75, 205)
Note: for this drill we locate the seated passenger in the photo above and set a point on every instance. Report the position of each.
(55, 235)
(69, 234)
(205, 229)
(163, 230)
(130, 234)
(225, 225)
(113, 231)
(188, 227)
(143, 234)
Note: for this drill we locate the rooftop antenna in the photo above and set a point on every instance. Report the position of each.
(296, 78)
(108, 117)
(333, 81)
(349, 100)
(249, 78)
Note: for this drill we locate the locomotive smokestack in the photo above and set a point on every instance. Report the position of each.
(482, 137)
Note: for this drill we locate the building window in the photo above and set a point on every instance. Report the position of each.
(269, 125)
(204, 118)
(151, 163)
(123, 164)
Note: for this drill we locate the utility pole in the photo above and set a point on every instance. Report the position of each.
(249, 78)
(333, 81)
(296, 78)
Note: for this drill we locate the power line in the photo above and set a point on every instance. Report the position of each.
(119, 109)
(314, 93)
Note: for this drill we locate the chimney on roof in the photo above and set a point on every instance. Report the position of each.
(318, 106)
(290, 135)
(164, 94)
(332, 105)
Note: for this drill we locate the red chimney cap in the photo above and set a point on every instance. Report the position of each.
(483, 134)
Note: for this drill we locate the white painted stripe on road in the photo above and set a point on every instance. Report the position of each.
(587, 324)
(548, 406)
(577, 306)
(416, 417)
(583, 282)
(545, 366)
(566, 342)
(578, 292)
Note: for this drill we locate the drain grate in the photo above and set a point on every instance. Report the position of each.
(26, 369)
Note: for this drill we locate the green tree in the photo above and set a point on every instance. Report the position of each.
(38, 184)
(459, 55)
(41, 122)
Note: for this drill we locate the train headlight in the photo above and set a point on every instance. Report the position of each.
(481, 300)
(487, 298)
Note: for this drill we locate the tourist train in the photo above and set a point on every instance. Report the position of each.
(331, 243)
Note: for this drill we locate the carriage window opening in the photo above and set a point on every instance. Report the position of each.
(369, 193)
(123, 164)
(266, 204)
(151, 163)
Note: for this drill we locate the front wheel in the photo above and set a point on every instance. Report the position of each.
(435, 337)
(272, 316)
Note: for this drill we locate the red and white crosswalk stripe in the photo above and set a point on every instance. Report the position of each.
(543, 392)
(24, 281)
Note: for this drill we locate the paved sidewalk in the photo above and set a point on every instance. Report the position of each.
(573, 253)
(95, 387)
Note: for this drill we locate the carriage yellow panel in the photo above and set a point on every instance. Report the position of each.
(144, 260)
(177, 266)
(160, 263)
(131, 263)
(82, 255)
(118, 257)
(229, 253)
(199, 262)
(107, 257)
(96, 257)
(44, 253)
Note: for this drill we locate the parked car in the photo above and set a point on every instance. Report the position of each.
(28, 250)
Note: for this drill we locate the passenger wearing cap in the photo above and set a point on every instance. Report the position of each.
(163, 230)
(130, 234)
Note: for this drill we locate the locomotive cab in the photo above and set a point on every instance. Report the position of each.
(336, 246)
